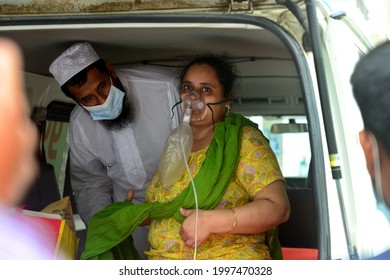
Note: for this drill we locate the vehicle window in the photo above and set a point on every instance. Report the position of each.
(291, 149)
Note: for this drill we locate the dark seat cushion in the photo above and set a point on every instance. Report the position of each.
(44, 190)
(300, 230)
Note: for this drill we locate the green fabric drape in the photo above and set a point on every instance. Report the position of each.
(109, 230)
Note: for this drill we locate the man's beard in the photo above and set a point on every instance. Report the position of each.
(123, 120)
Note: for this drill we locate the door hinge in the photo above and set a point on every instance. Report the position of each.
(240, 6)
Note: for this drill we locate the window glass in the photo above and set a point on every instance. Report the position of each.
(291, 149)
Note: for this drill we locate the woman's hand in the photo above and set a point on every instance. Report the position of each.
(269, 208)
(188, 228)
(209, 221)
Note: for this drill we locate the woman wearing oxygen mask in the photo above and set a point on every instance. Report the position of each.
(227, 201)
(239, 188)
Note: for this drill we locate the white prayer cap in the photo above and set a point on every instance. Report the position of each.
(72, 61)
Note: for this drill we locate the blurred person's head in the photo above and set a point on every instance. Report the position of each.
(371, 88)
(18, 135)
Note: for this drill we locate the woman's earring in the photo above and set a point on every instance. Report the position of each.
(227, 109)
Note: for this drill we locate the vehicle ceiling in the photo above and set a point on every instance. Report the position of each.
(268, 79)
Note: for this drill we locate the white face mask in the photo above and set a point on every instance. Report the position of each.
(111, 108)
(380, 201)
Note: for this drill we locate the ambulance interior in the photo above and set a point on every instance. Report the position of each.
(269, 91)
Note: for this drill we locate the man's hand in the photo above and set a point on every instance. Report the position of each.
(130, 195)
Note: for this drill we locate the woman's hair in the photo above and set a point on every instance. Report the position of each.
(80, 78)
(225, 71)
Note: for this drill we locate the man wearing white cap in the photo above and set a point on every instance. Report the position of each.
(118, 130)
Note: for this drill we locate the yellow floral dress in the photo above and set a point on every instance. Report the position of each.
(257, 167)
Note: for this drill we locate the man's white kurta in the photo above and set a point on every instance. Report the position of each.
(105, 164)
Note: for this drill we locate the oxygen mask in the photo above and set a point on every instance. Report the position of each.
(194, 106)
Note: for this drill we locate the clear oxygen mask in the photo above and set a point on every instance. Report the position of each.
(194, 101)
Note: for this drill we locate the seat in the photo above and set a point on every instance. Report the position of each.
(298, 236)
(60, 111)
(300, 229)
(44, 190)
